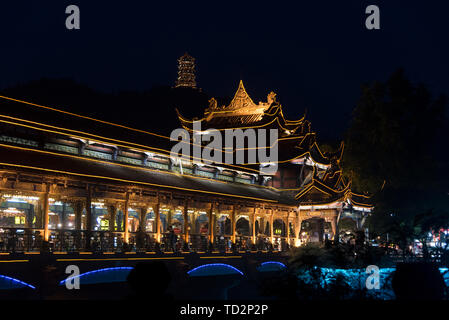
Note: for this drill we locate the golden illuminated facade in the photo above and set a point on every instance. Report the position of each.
(71, 182)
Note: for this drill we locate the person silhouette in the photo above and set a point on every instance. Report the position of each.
(172, 238)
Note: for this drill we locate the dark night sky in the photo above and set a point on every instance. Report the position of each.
(314, 54)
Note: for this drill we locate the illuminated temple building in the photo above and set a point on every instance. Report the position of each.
(86, 184)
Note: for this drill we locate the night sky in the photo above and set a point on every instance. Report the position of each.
(314, 54)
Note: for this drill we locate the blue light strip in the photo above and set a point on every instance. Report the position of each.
(274, 262)
(216, 264)
(17, 280)
(95, 271)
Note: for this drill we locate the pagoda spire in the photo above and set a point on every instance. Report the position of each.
(186, 72)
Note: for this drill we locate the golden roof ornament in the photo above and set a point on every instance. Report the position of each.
(272, 98)
(241, 105)
(241, 99)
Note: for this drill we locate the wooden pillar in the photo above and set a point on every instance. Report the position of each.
(334, 224)
(288, 228)
(234, 208)
(300, 219)
(295, 230)
(125, 217)
(112, 215)
(157, 217)
(193, 229)
(78, 208)
(143, 214)
(211, 223)
(46, 208)
(254, 226)
(271, 226)
(186, 221)
(89, 210)
(88, 216)
(170, 214)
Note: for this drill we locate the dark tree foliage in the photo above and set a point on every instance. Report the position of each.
(396, 149)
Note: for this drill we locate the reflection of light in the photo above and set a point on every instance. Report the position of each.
(97, 204)
(59, 225)
(19, 197)
(94, 271)
(216, 265)
(70, 224)
(274, 262)
(16, 200)
(12, 211)
(17, 281)
(298, 242)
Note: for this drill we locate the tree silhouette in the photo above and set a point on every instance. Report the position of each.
(392, 149)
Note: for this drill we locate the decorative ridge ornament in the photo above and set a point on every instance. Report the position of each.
(241, 99)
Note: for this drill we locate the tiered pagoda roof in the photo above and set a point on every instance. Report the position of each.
(297, 145)
(296, 139)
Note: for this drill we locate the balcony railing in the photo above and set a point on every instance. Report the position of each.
(29, 240)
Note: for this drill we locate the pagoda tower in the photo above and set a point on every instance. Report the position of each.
(186, 72)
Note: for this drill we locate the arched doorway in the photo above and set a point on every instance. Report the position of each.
(243, 233)
(312, 230)
(279, 229)
(242, 227)
(223, 226)
(279, 234)
(347, 228)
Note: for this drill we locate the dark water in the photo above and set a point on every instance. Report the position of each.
(215, 283)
